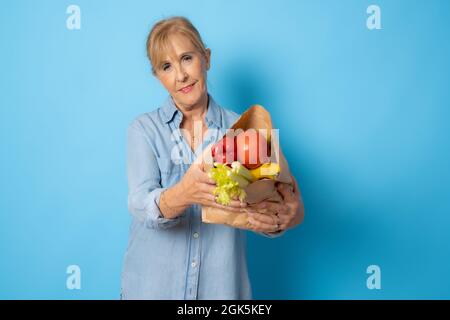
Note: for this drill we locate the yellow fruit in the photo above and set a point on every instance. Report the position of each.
(267, 170)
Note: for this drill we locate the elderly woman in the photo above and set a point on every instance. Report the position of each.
(171, 254)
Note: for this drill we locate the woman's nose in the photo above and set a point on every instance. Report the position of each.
(181, 75)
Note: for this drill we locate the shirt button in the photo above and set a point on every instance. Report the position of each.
(193, 264)
(195, 235)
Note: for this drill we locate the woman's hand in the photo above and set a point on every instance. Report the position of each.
(263, 216)
(294, 213)
(271, 217)
(196, 187)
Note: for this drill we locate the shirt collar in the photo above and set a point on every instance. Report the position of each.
(213, 115)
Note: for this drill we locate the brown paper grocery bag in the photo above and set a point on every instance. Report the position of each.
(255, 117)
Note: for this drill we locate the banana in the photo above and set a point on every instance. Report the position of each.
(267, 170)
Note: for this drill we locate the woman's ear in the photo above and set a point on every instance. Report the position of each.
(208, 58)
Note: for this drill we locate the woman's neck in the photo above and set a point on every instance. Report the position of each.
(195, 112)
(194, 122)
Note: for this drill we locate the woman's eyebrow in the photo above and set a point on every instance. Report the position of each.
(185, 53)
(182, 54)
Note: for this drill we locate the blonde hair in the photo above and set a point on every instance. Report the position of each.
(157, 40)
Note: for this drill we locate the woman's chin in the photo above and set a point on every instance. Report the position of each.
(189, 100)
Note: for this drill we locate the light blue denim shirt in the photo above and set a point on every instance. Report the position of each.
(179, 258)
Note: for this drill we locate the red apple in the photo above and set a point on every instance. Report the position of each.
(252, 148)
(225, 150)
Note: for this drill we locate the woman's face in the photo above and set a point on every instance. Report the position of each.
(183, 72)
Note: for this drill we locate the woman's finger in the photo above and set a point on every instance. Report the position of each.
(270, 219)
(285, 218)
(209, 191)
(262, 227)
(284, 226)
(237, 204)
(204, 177)
(286, 191)
(209, 199)
(227, 208)
(296, 190)
(207, 188)
(268, 206)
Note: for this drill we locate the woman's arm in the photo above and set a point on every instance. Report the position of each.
(144, 188)
(157, 206)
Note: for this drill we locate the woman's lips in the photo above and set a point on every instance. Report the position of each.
(188, 88)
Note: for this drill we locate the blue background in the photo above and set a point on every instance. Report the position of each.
(363, 117)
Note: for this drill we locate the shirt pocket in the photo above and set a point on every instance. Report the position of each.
(171, 172)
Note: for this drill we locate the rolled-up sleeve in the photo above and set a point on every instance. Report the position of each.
(144, 180)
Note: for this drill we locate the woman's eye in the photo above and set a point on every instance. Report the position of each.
(166, 67)
(187, 58)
